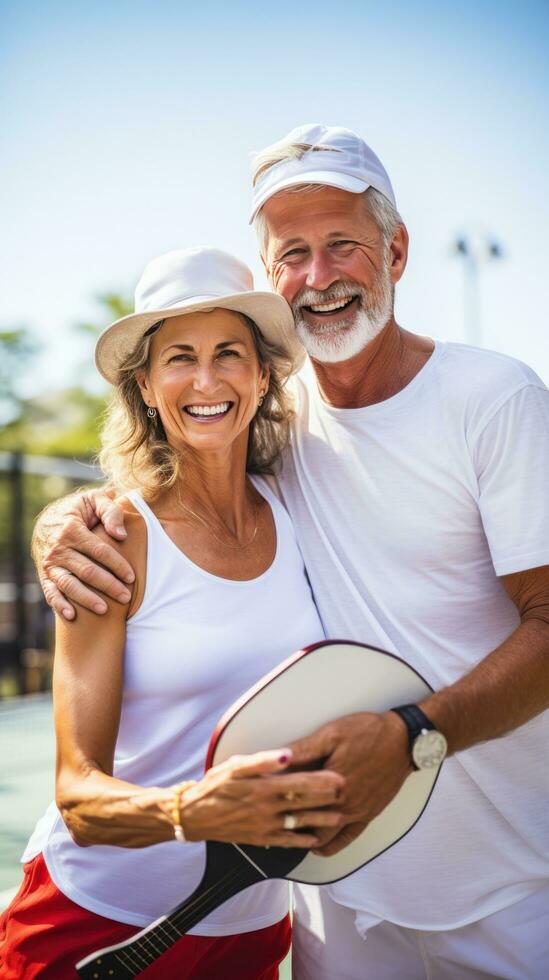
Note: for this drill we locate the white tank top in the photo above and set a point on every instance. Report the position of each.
(196, 643)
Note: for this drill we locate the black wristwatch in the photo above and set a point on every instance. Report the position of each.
(428, 746)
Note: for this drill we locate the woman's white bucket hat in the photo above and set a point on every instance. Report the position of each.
(189, 280)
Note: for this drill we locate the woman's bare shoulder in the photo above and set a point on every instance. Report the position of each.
(133, 548)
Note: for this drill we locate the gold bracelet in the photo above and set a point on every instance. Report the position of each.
(179, 833)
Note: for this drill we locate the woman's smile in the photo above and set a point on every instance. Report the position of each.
(206, 414)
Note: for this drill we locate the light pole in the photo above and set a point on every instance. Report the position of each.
(475, 249)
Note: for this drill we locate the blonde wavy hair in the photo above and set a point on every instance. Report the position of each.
(135, 453)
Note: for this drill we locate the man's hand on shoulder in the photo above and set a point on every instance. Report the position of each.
(72, 561)
(371, 752)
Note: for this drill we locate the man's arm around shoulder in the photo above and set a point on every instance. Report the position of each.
(72, 562)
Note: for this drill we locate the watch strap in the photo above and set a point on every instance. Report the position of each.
(415, 720)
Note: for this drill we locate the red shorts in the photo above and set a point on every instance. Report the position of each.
(43, 934)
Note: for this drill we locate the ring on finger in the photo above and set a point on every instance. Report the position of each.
(289, 822)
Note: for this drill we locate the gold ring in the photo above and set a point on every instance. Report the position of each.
(289, 822)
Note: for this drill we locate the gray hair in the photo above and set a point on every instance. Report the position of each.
(376, 204)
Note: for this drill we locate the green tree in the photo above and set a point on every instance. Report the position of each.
(17, 347)
(115, 305)
(62, 423)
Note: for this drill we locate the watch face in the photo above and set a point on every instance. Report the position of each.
(429, 749)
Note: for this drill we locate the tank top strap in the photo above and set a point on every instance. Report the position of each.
(135, 497)
(283, 523)
(165, 564)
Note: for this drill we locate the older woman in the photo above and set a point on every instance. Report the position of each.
(220, 597)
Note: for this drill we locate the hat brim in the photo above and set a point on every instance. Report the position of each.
(271, 314)
(331, 178)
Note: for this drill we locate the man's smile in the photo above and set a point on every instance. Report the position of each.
(333, 311)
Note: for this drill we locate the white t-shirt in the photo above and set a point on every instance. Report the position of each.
(406, 512)
(196, 643)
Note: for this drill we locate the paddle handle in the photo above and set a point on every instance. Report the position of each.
(227, 873)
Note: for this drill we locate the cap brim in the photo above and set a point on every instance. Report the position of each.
(330, 178)
(271, 314)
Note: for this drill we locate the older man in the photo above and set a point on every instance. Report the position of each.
(417, 482)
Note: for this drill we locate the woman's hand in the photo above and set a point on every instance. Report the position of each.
(245, 799)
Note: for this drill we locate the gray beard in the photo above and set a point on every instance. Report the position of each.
(342, 339)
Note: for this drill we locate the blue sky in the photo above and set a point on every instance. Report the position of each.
(127, 128)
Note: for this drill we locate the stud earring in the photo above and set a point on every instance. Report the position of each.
(260, 402)
(151, 412)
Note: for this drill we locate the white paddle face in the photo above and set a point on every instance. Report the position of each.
(333, 680)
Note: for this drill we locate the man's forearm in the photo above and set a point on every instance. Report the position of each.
(505, 690)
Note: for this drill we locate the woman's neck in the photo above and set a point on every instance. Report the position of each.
(213, 485)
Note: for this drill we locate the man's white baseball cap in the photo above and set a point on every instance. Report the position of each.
(190, 280)
(337, 157)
